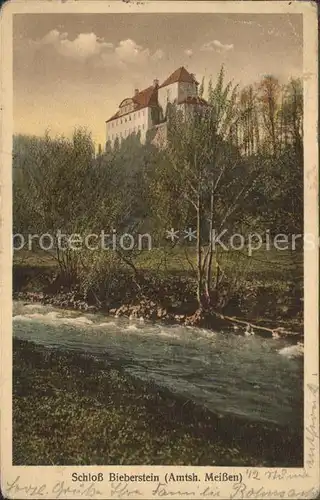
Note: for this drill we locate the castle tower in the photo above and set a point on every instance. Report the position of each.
(179, 86)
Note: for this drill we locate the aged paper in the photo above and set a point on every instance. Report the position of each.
(159, 250)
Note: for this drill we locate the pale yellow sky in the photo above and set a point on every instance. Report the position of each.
(73, 70)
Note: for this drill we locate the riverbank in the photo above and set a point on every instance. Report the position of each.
(71, 409)
(272, 304)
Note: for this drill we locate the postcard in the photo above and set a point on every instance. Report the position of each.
(159, 250)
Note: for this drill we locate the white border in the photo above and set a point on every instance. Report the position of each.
(298, 483)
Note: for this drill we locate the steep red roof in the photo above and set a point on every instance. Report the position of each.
(147, 97)
(179, 75)
(143, 99)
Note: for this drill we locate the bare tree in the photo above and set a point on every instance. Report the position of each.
(209, 168)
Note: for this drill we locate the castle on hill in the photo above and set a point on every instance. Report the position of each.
(147, 109)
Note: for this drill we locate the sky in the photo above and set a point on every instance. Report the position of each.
(73, 70)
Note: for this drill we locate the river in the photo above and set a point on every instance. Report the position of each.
(261, 379)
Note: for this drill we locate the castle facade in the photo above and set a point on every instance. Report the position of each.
(147, 109)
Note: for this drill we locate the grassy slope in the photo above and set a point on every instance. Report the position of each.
(272, 280)
(263, 264)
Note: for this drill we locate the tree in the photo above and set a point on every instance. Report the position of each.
(248, 126)
(269, 98)
(61, 188)
(205, 170)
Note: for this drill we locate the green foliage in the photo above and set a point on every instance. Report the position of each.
(59, 185)
(201, 88)
(236, 164)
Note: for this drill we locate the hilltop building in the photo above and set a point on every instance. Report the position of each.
(147, 109)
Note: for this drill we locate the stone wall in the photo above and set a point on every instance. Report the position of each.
(160, 135)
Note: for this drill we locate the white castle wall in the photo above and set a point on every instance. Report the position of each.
(167, 94)
(128, 124)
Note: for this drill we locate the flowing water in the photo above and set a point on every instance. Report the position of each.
(259, 378)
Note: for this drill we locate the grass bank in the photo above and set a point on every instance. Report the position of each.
(270, 291)
(70, 409)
